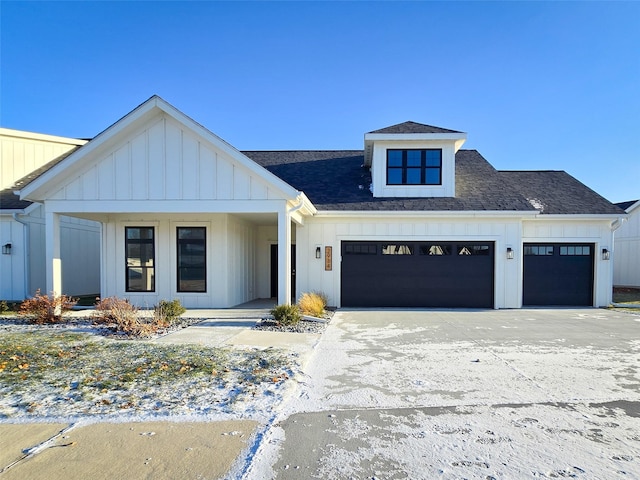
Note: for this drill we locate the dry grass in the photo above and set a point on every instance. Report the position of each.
(57, 373)
(312, 304)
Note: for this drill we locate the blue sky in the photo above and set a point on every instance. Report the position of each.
(536, 85)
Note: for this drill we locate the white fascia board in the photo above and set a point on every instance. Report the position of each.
(413, 137)
(633, 207)
(165, 206)
(423, 213)
(308, 207)
(579, 217)
(8, 132)
(10, 212)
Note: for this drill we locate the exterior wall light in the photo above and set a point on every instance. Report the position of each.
(605, 254)
(6, 249)
(318, 252)
(510, 253)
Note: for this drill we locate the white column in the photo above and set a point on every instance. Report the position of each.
(284, 257)
(52, 252)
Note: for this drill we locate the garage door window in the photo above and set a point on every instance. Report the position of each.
(435, 250)
(575, 250)
(395, 249)
(538, 250)
(360, 249)
(473, 250)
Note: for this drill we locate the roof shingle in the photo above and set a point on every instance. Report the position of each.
(413, 127)
(557, 192)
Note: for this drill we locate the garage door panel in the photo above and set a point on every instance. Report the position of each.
(416, 274)
(558, 274)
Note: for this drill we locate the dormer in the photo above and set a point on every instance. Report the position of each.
(412, 160)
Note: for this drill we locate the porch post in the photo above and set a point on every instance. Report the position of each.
(284, 257)
(52, 254)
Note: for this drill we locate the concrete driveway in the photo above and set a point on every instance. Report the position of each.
(464, 394)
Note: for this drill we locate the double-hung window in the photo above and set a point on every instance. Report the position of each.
(414, 167)
(140, 254)
(192, 259)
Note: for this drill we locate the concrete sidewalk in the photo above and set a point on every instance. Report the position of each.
(146, 450)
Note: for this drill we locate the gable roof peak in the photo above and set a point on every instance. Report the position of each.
(413, 127)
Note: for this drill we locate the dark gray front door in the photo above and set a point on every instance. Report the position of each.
(274, 272)
(417, 274)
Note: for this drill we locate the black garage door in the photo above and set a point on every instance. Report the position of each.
(417, 274)
(558, 274)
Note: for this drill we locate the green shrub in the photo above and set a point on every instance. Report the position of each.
(166, 312)
(286, 314)
(48, 309)
(312, 304)
(4, 307)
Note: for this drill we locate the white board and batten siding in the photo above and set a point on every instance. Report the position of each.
(626, 255)
(163, 161)
(230, 247)
(326, 231)
(23, 152)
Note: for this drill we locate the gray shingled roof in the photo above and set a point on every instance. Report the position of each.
(413, 127)
(557, 192)
(11, 201)
(337, 180)
(625, 205)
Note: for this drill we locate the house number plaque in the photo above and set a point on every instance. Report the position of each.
(327, 258)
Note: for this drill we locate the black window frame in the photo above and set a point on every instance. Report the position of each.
(405, 167)
(144, 267)
(179, 267)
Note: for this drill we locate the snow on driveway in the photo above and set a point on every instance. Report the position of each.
(464, 394)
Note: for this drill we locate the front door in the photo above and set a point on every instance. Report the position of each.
(274, 271)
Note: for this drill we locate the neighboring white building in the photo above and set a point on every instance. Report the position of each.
(626, 265)
(22, 223)
(412, 220)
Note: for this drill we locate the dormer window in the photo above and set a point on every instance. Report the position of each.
(414, 166)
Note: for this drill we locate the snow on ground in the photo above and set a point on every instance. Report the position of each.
(453, 394)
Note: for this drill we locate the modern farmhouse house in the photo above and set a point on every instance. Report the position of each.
(412, 220)
(22, 223)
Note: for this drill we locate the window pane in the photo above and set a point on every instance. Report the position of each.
(360, 249)
(394, 176)
(435, 249)
(397, 250)
(413, 176)
(192, 259)
(414, 158)
(140, 253)
(434, 158)
(394, 158)
(473, 250)
(140, 280)
(432, 176)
